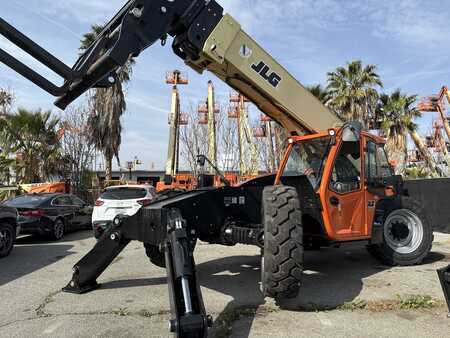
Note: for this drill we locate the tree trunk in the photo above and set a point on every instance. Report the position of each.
(397, 154)
(108, 166)
(421, 147)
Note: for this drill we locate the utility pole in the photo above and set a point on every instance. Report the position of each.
(176, 119)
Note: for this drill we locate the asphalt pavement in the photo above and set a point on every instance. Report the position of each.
(346, 293)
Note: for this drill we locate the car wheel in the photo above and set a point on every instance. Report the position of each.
(58, 230)
(7, 237)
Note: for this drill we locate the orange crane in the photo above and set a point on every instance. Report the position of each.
(208, 112)
(248, 154)
(436, 103)
(172, 179)
(437, 142)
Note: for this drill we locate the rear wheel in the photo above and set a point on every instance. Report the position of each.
(58, 230)
(155, 255)
(282, 262)
(407, 236)
(7, 237)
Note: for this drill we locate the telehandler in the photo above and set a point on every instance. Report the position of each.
(335, 184)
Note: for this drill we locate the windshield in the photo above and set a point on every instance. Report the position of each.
(125, 193)
(30, 201)
(308, 158)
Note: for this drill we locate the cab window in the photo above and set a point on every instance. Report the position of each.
(371, 160)
(376, 162)
(346, 174)
(385, 168)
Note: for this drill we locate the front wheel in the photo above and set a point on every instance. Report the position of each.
(407, 236)
(7, 237)
(282, 263)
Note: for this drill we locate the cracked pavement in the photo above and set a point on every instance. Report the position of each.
(133, 299)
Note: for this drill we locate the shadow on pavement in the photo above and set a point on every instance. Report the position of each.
(332, 278)
(69, 237)
(31, 253)
(238, 277)
(25, 259)
(130, 283)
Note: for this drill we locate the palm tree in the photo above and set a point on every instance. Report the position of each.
(397, 114)
(33, 136)
(6, 163)
(6, 100)
(108, 105)
(320, 93)
(353, 91)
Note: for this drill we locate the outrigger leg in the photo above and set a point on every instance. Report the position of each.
(189, 317)
(186, 302)
(92, 265)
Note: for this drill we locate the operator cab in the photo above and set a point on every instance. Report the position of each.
(340, 175)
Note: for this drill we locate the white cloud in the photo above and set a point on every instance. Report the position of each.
(86, 12)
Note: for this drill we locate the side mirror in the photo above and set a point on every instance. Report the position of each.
(351, 131)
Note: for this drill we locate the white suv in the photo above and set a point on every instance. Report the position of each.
(119, 200)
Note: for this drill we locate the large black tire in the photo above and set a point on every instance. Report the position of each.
(58, 230)
(7, 239)
(155, 255)
(282, 264)
(407, 236)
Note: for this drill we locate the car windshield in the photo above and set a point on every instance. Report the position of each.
(31, 201)
(308, 158)
(123, 193)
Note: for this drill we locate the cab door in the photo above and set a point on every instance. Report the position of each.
(345, 195)
(378, 175)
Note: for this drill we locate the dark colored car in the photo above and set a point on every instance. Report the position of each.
(8, 229)
(51, 214)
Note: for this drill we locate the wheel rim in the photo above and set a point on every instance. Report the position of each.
(5, 239)
(403, 231)
(59, 230)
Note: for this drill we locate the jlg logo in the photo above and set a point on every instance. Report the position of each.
(264, 70)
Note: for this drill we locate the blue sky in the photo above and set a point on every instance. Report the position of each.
(407, 39)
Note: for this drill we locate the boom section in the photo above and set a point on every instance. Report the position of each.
(243, 64)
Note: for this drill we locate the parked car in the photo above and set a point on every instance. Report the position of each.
(117, 200)
(51, 214)
(9, 229)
